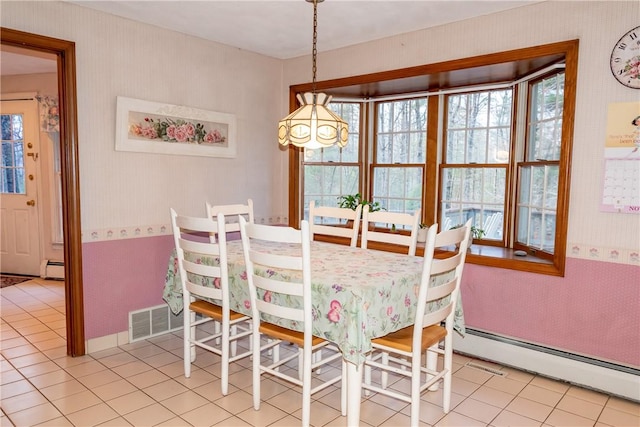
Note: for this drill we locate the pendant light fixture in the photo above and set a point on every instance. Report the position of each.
(313, 125)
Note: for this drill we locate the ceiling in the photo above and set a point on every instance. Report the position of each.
(280, 29)
(283, 29)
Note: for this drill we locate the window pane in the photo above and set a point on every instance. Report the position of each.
(537, 201)
(12, 168)
(479, 127)
(401, 131)
(398, 189)
(545, 122)
(325, 184)
(477, 193)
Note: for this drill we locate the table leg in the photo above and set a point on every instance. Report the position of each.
(354, 393)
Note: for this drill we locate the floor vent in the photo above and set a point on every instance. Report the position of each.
(487, 369)
(152, 321)
(52, 269)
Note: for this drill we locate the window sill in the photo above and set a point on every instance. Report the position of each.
(490, 256)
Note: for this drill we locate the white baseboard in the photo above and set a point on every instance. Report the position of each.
(106, 342)
(610, 381)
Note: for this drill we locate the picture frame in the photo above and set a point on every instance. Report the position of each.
(152, 127)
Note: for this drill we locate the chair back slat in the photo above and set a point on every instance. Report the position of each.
(338, 221)
(231, 213)
(282, 277)
(391, 219)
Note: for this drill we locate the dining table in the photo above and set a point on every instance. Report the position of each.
(358, 294)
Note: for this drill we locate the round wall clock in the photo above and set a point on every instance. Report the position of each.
(625, 59)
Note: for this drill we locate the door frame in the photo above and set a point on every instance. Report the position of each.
(72, 231)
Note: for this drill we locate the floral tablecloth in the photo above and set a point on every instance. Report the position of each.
(358, 294)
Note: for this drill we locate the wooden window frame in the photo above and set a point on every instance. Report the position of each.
(507, 66)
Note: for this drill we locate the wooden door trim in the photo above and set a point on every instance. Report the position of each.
(67, 94)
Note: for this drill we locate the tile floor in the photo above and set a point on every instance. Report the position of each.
(143, 384)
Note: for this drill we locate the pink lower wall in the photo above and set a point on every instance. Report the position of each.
(121, 276)
(594, 310)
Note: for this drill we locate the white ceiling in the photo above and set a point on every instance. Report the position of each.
(283, 29)
(279, 28)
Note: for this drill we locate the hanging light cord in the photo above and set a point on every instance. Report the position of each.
(314, 52)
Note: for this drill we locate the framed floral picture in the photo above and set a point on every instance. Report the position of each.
(151, 127)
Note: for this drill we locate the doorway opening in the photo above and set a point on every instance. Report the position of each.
(72, 236)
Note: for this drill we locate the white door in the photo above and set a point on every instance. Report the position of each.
(19, 228)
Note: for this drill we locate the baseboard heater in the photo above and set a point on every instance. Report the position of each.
(52, 269)
(600, 375)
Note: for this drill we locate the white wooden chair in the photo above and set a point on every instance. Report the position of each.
(231, 213)
(297, 287)
(334, 221)
(401, 352)
(189, 234)
(391, 220)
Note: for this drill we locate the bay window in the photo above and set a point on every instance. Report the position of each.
(492, 143)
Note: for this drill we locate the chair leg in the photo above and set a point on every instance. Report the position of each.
(432, 363)
(186, 344)
(384, 375)
(256, 368)
(415, 391)
(343, 389)
(224, 363)
(306, 386)
(367, 376)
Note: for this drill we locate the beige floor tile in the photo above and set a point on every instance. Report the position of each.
(42, 336)
(84, 369)
(289, 401)
(35, 415)
(506, 384)
(118, 359)
(22, 401)
(550, 384)
(207, 414)
(561, 418)
(51, 344)
(617, 418)
(239, 401)
(529, 409)
(184, 402)
(132, 368)
(473, 375)
(147, 379)
(478, 410)
(10, 376)
(541, 395)
(458, 420)
(116, 422)
(113, 389)
(463, 387)
(321, 414)
(266, 416)
(60, 390)
(623, 405)
(93, 415)
(580, 407)
(15, 388)
(14, 342)
(56, 377)
(162, 359)
(22, 352)
(39, 369)
(588, 395)
(34, 329)
(198, 378)
(492, 396)
(173, 370)
(372, 413)
(56, 422)
(212, 391)
(149, 416)
(165, 390)
(510, 419)
(68, 361)
(130, 402)
(99, 378)
(76, 402)
(174, 422)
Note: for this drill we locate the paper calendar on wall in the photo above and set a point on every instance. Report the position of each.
(621, 184)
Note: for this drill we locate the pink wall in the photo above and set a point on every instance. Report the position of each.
(594, 310)
(122, 276)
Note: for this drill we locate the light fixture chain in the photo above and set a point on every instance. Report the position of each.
(314, 52)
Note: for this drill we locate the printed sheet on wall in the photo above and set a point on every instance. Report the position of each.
(621, 184)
